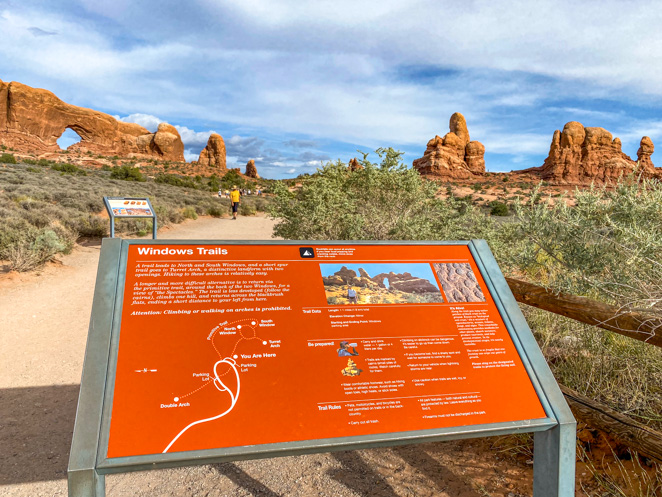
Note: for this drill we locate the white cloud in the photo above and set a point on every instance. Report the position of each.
(373, 73)
(193, 138)
(190, 156)
(147, 121)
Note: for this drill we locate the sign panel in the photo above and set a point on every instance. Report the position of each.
(130, 207)
(235, 345)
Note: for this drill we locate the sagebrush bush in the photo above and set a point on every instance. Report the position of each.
(215, 211)
(127, 173)
(7, 159)
(189, 213)
(66, 168)
(246, 209)
(499, 209)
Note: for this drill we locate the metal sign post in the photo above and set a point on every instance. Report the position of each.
(129, 207)
(192, 344)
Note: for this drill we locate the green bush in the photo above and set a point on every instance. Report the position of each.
(27, 247)
(90, 226)
(190, 213)
(7, 159)
(127, 173)
(246, 209)
(175, 180)
(386, 201)
(499, 209)
(66, 168)
(216, 211)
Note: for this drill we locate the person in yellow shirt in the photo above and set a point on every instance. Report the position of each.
(235, 199)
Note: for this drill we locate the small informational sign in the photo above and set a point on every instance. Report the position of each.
(202, 351)
(129, 207)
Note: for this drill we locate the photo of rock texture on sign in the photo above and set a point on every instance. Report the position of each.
(393, 284)
(459, 282)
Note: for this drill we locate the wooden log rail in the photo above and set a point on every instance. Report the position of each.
(631, 324)
(622, 429)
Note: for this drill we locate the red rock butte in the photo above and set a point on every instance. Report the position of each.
(582, 155)
(453, 157)
(32, 120)
(251, 170)
(214, 153)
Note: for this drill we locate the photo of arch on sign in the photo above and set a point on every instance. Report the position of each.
(241, 344)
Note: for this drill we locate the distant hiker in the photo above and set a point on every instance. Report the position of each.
(351, 295)
(235, 199)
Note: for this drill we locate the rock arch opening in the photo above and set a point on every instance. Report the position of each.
(68, 138)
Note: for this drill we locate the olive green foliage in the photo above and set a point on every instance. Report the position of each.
(246, 209)
(607, 245)
(232, 178)
(7, 159)
(66, 168)
(127, 173)
(176, 180)
(499, 209)
(384, 201)
(189, 213)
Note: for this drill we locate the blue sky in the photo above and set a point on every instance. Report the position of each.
(415, 269)
(294, 84)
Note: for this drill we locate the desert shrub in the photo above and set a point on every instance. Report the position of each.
(216, 211)
(232, 178)
(190, 213)
(499, 209)
(27, 247)
(127, 173)
(246, 209)
(175, 180)
(7, 159)
(90, 226)
(66, 168)
(607, 246)
(385, 201)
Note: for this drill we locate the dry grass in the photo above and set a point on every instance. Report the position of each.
(44, 211)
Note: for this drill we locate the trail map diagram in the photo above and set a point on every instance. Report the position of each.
(226, 367)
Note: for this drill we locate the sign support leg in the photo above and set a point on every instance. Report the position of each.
(86, 483)
(554, 461)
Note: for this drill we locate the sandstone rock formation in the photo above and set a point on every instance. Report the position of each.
(459, 282)
(403, 282)
(354, 164)
(454, 156)
(644, 153)
(579, 155)
(32, 120)
(214, 153)
(251, 170)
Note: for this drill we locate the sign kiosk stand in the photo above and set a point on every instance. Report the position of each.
(433, 347)
(129, 207)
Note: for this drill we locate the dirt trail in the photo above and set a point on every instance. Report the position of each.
(43, 329)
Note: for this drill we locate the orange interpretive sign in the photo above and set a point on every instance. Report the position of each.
(247, 344)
